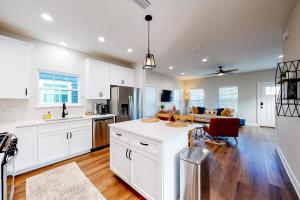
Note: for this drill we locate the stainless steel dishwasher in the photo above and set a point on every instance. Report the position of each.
(101, 132)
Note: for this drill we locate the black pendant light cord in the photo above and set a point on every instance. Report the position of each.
(148, 37)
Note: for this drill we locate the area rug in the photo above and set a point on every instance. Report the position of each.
(67, 182)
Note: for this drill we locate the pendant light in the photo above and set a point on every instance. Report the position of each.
(149, 62)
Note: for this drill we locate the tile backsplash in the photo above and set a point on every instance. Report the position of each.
(12, 110)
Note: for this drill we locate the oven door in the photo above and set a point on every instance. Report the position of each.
(8, 176)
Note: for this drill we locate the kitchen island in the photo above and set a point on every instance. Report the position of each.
(146, 156)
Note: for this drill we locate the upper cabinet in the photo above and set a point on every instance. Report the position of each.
(97, 79)
(14, 68)
(121, 76)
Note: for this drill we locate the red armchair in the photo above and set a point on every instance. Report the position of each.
(223, 127)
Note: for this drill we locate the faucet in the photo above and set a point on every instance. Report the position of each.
(64, 110)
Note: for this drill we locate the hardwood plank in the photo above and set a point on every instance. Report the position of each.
(249, 170)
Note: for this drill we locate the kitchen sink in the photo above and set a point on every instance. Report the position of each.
(62, 119)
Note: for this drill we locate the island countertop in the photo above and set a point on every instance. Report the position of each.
(156, 131)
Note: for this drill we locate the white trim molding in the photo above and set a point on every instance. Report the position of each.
(289, 171)
(251, 124)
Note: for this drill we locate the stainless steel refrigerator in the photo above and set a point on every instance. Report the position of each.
(126, 103)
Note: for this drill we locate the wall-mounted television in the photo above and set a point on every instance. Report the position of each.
(166, 96)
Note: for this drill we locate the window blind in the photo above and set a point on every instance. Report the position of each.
(228, 97)
(56, 88)
(196, 97)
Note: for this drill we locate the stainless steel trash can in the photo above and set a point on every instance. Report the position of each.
(194, 174)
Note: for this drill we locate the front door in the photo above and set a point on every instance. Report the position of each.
(267, 104)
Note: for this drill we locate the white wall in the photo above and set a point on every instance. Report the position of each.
(247, 84)
(46, 57)
(288, 129)
(162, 82)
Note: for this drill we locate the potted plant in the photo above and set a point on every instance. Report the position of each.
(162, 107)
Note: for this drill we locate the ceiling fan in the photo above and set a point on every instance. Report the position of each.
(221, 71)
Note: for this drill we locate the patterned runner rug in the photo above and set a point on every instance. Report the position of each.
(67, 182)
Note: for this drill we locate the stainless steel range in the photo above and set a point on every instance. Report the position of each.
(8, 152)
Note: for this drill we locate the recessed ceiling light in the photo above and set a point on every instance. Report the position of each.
(204, 60)
(62, 43)
(281, 56)
(46, 17)
(129, 50)
(182, 73)
(171, 67)
(101, 39)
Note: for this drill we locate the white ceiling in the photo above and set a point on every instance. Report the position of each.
(244, 34)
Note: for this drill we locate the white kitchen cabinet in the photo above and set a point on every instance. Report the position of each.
(14, 68)
(80, 139)
(136, 164)
(121, 76)
(119, 160)
(59, 140)
(97, 79)
(40, 145)
(143, 167)
(53, 146)
(27, 147)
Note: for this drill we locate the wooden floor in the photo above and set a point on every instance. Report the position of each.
(251, 170)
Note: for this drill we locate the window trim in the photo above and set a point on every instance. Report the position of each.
(39, 105)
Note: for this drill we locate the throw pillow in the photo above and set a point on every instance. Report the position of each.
(207, 112)
(195, 110)
(219, 111)
(225, 112)
(201, 110)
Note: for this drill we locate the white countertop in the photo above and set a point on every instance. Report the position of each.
(11, 127)
(157, 131)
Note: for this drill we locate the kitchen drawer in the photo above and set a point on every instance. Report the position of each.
(52, 127)
(145, 144)
(120, 135)
(80, 123)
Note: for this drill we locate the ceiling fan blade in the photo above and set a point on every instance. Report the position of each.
(231, 70)
(213, 73)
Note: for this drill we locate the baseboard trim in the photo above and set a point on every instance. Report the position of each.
(252, 124)
(289, 171)
(40, 165)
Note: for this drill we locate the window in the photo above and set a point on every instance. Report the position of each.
(228, 97)
(177, 98)
(56, 88)
(150, 101)
(271, 91)
(196, 97)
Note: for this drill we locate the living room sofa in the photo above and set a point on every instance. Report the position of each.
(204, 115)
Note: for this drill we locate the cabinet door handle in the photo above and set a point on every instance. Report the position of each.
(26, 92)
(144, 144)
(71, 135)
(67, 135)
(127, 153)
(118, 134)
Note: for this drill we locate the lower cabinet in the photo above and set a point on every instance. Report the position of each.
(52, 146)
(137, 167)
(79, 140)
(27, 148)
(45, 144)
(145, 174)
(119, 160)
